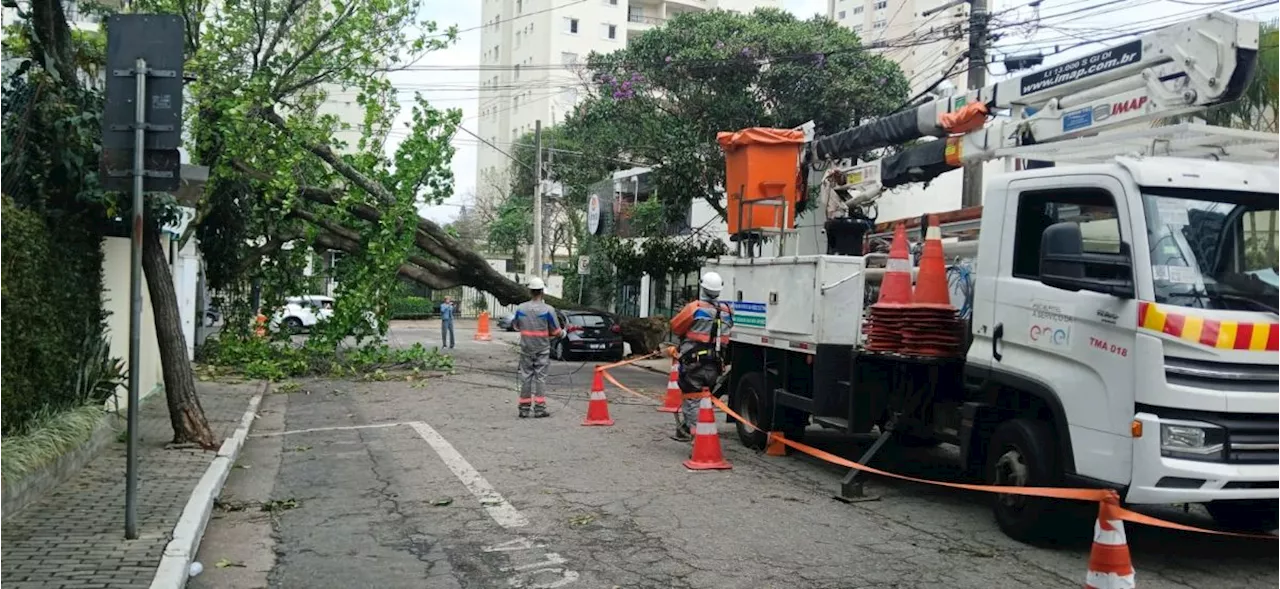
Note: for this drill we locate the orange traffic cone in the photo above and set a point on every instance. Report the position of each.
(887, 319)
(482, 327)
(260, 327)
(707, 454)
(933, 328)
(775, 447)
(672, 403)
(1109, 563)
(598, 407)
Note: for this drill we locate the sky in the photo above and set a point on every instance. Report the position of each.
(457, 88)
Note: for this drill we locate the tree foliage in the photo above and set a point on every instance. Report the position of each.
(661, 101)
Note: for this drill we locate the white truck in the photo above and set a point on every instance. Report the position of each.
(1137, 350)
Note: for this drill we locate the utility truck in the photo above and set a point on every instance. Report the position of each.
(1121, 328)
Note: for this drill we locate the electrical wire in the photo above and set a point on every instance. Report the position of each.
(514, 18)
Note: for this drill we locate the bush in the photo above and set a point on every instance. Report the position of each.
(414, 308)
(51, 292)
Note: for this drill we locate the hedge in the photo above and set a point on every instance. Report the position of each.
(51, 292)
(414, 308)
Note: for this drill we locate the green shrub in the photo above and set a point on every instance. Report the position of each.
(51, 292)
(414, 308)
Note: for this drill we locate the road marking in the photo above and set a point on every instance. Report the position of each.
(498, 508)
(327, 429)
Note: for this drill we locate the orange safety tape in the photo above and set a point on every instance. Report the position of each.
(626, 362)
(614, 382)
(1051, 492)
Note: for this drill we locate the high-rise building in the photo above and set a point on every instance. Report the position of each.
(530, 52)
(925, 47)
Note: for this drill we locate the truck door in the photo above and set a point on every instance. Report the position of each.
(1070, 348)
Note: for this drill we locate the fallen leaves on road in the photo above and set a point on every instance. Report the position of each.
(299, 448)
(582, 520)
(226, 562)
(278, 505)
(443, 501)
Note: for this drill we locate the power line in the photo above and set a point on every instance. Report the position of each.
(517, 17)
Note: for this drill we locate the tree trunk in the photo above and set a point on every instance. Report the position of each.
(185, 413)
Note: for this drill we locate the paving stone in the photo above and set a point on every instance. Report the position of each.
(74, 537)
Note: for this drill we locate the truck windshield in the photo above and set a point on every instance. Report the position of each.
(1213, 250)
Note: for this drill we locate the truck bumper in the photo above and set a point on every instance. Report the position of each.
(1157, 479)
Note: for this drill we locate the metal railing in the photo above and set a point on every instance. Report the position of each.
(647, 20)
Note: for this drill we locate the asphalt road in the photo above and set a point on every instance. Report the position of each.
(436, 483)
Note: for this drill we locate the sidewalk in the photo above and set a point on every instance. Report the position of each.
(74, 538)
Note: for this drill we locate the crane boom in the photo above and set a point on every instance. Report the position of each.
(1172, 71)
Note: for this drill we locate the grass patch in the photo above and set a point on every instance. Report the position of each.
(45, 439)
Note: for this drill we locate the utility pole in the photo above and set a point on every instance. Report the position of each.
(537, 200)
(972, 192)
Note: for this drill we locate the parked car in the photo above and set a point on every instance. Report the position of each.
(507, 322)
(302, 313)
(587, 333)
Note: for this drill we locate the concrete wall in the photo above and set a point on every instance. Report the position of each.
(115, 300)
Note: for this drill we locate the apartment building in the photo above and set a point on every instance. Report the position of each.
(530, 57)
(923, 46)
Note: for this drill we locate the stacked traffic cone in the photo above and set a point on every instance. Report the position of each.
(1109, 563)
(707, 454)
(672, 403)
(482, 327)
(260, 325)
(933, 328)
(887, 318)
(598, 407)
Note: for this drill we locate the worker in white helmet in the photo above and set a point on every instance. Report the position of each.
(536, 322)
(703, 327)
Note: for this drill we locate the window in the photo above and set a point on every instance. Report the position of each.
(611, 2)
(881, 4)
(880, 24)
(1094, 210)
(569, 59)
(519, 6)
(519, 34)
(857, 28)
(609, 31)
(842, 15)
(857, 9)
(588, 320)
(571, 25)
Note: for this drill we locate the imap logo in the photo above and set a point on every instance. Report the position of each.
(1050, 335)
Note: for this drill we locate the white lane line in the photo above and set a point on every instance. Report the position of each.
(327, 429)
(499, 509)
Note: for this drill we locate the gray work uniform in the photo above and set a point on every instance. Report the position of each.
(700, 354)
(536, 322)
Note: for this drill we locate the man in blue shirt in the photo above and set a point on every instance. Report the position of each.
(446, 323)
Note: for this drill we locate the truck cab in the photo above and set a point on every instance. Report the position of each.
(1134, 303)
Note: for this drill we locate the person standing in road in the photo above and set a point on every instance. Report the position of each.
(536, 322)
(446, 323)
(703, 327)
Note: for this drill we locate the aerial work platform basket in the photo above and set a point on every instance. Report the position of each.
(761, 178)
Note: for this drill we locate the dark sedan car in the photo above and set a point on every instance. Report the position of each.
(587, 334)
(505, 322)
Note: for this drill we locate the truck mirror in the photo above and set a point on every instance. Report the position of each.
(1064, 264)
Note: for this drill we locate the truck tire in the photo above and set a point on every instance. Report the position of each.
(1022, 454)
(752, 403)
(1249, 515)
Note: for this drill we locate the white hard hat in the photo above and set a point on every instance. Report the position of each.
(536, 283)
(712, 282)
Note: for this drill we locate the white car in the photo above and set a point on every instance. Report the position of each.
(301, 313)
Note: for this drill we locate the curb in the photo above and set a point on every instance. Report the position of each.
(181, 550)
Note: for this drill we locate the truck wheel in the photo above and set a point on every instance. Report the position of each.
(1022, 455)
(1252, 515)
(751, 402)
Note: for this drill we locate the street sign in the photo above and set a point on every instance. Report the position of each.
(584, 265)
(593, 215)
(163, 169)
(158, 39)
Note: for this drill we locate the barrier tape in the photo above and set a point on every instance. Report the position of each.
(1097, 495)
(626, 362)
